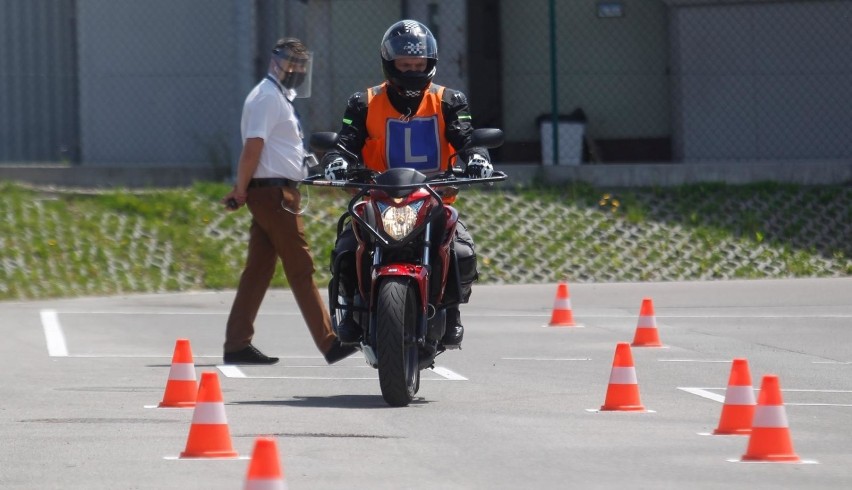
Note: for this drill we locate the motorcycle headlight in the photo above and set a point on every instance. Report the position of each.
(399, 221)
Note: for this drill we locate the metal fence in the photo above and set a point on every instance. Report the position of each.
(121, 82)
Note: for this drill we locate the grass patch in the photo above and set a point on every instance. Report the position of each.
(55, 244)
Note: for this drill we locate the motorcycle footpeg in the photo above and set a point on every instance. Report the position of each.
(452, 347)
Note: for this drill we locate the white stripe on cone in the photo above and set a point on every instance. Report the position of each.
(623, 376)
(209, 413)
(769, 416)
(562, 304)
(182, 371)
(265, 485)
(647, 322)
(739, 395)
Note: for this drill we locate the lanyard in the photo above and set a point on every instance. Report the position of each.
(295, 111)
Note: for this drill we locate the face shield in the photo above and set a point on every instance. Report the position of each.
(293, 70)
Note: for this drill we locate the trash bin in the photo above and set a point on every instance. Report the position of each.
(570, 129)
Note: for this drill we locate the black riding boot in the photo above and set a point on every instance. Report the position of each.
(348, 331)
(455, 330)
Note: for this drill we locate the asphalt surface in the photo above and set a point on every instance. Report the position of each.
(515, 408)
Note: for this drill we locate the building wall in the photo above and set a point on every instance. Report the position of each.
(38, 81)
(126, 82)
(612, 68)
(763, 80)
(161, 81)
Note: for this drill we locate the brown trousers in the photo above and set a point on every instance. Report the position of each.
(276, 233)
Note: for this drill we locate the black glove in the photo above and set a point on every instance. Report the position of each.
(478, 167)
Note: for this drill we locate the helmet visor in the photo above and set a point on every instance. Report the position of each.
(413, 44)
(294, 71)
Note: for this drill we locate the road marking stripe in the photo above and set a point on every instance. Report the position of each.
(690, 360)
(53, 334)
(703, 393)
(446, 373)
(818, 404)
(545, 359)
(231, 371)
(474, 314)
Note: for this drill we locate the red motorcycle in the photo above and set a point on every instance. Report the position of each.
(407, 273)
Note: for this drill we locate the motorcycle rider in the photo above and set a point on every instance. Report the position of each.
(407, 121)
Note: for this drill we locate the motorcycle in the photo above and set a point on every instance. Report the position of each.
(407, 275)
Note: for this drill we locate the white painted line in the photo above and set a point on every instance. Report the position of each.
(53, 334)
(818, 404)
(832, 362)
(167, 312)
(446, 373)
(231, 371)
(559, 327)
(327, 378)
(804, 461)
(178, 458)
(545, 359)
(704, 393)
(691, 360)
(820, 391)
(136, 356)
(547, 314)
(664, 317)
(598, 410)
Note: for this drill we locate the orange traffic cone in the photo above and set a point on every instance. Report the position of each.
(181, 387)
(562, 315)
(264, 472)
(738, 409)
(770, 435)
(623, 390)
(209, 436)
(646, 329)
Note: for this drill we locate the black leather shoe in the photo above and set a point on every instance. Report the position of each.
(249, 355)
(348, 331)
(338, 352)
(454, 334)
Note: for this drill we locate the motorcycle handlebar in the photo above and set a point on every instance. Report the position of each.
(443, 181)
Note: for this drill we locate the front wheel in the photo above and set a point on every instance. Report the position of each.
(396, 327)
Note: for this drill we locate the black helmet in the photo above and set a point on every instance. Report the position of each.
(409, 38)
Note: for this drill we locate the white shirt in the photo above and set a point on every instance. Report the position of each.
(268, 115)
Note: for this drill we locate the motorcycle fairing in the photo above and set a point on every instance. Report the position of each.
(417, 273)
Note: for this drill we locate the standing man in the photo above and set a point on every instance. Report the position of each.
(271, 165)
(407, 121)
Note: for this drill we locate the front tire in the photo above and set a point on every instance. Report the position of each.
(396, 326)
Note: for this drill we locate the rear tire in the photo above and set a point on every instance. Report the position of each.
(396, 326)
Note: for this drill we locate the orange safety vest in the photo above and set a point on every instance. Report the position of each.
(417, 142)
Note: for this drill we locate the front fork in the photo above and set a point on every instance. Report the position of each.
(419, 275)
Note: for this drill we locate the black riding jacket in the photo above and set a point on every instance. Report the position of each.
(455, 111)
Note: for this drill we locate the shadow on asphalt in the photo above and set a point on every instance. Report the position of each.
(335, 401)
